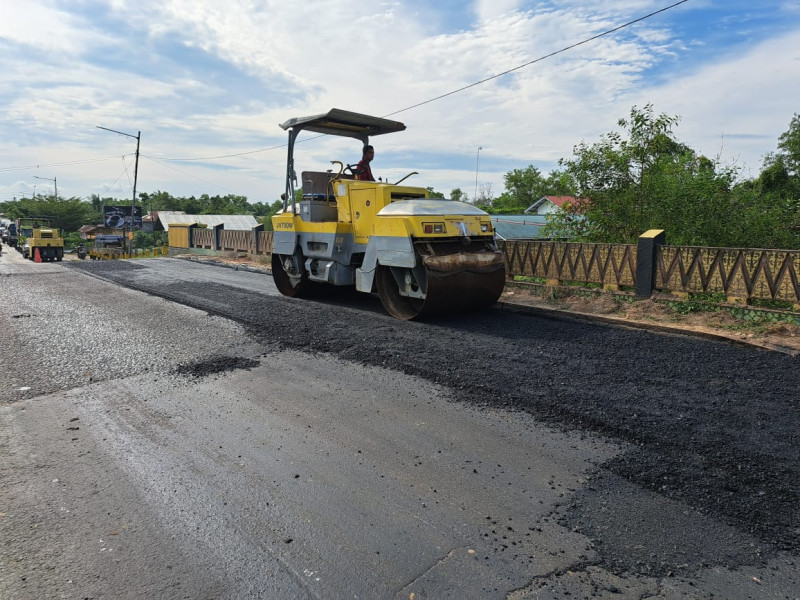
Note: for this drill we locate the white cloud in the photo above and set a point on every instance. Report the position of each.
(486, 10)
(293, 59)
(738, 106)
(39, 25)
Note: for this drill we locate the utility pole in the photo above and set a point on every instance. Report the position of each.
(138, 138)
(477, 161)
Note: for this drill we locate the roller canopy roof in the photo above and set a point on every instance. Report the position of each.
(344, 123)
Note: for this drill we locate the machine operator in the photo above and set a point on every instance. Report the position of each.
(363, 171)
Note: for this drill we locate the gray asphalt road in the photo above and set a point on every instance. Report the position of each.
(233, 449)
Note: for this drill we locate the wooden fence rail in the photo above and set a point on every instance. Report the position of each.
(611, 265)
(739, 273)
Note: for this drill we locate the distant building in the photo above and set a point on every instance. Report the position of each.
(518, 227)
(149, 221)
(87, 232)
(160, 220)
(547, 205)
(164, 218)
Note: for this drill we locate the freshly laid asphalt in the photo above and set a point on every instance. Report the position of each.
(695, 488)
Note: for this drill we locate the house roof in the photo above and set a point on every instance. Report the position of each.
(559, 201)
(518, 227)
(235, 222)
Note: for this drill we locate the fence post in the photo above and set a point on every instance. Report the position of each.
(649, 242)
(256, 230)
(216, 236)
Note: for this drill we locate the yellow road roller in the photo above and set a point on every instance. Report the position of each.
(421, 255)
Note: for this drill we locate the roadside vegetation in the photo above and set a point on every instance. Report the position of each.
(644, 178)
(636, 178)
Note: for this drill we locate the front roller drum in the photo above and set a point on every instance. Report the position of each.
(447, 284)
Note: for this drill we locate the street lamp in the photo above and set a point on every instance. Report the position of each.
(477, 162)
(55, 184)
(137, 137)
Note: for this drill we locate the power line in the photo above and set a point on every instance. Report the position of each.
(471, 85)
(430, 100)
(60, 164)
(127, 174)
(224, 155)
(125, 170)
(541, 58)
(158, 162)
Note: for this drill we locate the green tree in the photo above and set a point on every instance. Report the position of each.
(273, 209)
(780, 175)
(789, 146)
(644, 178)
(67, 214)
(622, 175)
(142, 239)
(525, 186)
(433, 193)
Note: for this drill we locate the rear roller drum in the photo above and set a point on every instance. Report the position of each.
(288, 284)
(396, 304)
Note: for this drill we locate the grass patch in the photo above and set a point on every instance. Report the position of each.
(526, 279)
(698, 303)
(772, 304)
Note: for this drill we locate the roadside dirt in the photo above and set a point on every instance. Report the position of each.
(784, 337)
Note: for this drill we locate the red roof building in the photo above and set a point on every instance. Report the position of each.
(549, 204)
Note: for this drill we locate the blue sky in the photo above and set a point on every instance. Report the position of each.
(203, 80)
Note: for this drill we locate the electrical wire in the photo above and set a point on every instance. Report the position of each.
(413, 106)
(125, 170)
(127, 174)
(158, 162)
(471, 85)
(61, 164)
(225, 155)
(541, 58)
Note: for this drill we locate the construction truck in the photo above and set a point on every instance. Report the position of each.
(4, 235)
(10, 235)
(421, 255)
(40, 239)
(107, 247)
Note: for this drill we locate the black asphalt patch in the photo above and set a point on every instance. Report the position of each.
(710, 425)
(216, 364)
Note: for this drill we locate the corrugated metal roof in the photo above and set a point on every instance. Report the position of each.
(234, 222)
(518, 227)
(342, 122)
(559, 201)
